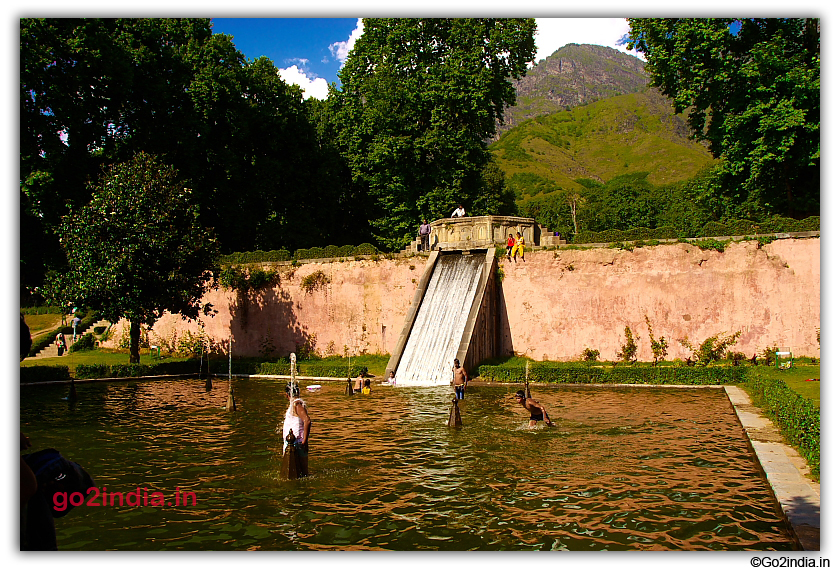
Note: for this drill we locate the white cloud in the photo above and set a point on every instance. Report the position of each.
(312, 86)
(340, 50)
(554, 33)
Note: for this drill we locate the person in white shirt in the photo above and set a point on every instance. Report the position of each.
(298, 422)
(459, 212)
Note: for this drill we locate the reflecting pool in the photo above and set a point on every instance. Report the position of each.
(624, 469)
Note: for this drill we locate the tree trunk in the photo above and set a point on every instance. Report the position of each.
(134, 347)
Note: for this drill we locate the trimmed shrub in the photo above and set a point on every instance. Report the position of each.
(33, 374)
(365, 249)
(84, 371)
(87, 342)
(330, 370)
(775, 225)
(633, 234)
(255, 257)
(577, 373)
(796, 416)
(136, 370)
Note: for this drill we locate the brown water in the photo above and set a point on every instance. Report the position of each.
(625, 469)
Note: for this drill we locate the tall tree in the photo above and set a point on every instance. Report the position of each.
(137, 249)
(95, 92)
(752, 88)
(419, 98)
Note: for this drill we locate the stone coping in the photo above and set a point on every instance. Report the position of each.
(531, 247)
(797, 496)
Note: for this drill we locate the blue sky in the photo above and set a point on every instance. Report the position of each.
(310, 51)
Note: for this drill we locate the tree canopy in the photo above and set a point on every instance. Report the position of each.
(419, 98)
(137, 248)
(94, 92)
(752, 87)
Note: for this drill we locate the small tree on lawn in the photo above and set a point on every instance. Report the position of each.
(137, 249)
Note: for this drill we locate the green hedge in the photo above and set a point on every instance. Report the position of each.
(136, 370)
(32, 374)
(86, 342)
(256, 256)
(772, 226)
(796, 416)
(330, 370)
(711, 229)
(576, 373)
(633, 234)
(329, 251)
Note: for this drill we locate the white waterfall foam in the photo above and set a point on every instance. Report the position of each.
(441, 319)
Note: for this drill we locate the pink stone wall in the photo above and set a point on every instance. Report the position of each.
(559, 303)
(555, 304)
(362, 307)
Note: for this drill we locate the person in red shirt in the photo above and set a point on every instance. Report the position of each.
(510, 244)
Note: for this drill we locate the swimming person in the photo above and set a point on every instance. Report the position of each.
(366, 389)
(297, 421)
(359, 382)
(537, 410)
(459, 379)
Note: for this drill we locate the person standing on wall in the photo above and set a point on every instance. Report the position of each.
(459, 212)
(519, 247)
(425, 232)
(459, 379)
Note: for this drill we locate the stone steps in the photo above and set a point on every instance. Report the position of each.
(51, 350)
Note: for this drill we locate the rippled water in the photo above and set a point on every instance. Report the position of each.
(625, 469)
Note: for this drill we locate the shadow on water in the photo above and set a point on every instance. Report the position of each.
(623, 470)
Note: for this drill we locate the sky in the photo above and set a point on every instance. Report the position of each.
(309, 52)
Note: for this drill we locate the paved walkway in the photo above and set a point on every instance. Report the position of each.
(786, 471)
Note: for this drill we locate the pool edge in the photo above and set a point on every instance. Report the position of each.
(797, 497)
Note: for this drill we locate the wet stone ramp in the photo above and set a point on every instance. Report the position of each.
(441, 319)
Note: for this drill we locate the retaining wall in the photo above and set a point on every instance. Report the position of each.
(552, 306)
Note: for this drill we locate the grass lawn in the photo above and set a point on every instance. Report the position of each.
(39, 324)
(376, 363)
(796, 378)
(72, 359)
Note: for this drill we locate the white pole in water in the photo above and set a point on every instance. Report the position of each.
(231, 403)
(527, 373)
(293, 360)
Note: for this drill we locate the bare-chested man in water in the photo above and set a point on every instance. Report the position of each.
(537, 410)
(459, 379)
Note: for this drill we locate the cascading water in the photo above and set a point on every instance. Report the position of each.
(441, 319)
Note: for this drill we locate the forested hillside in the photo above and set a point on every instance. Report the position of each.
(611, 137)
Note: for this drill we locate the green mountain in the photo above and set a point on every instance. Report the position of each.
(618, 135)
(574, 75)
(587, 112)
